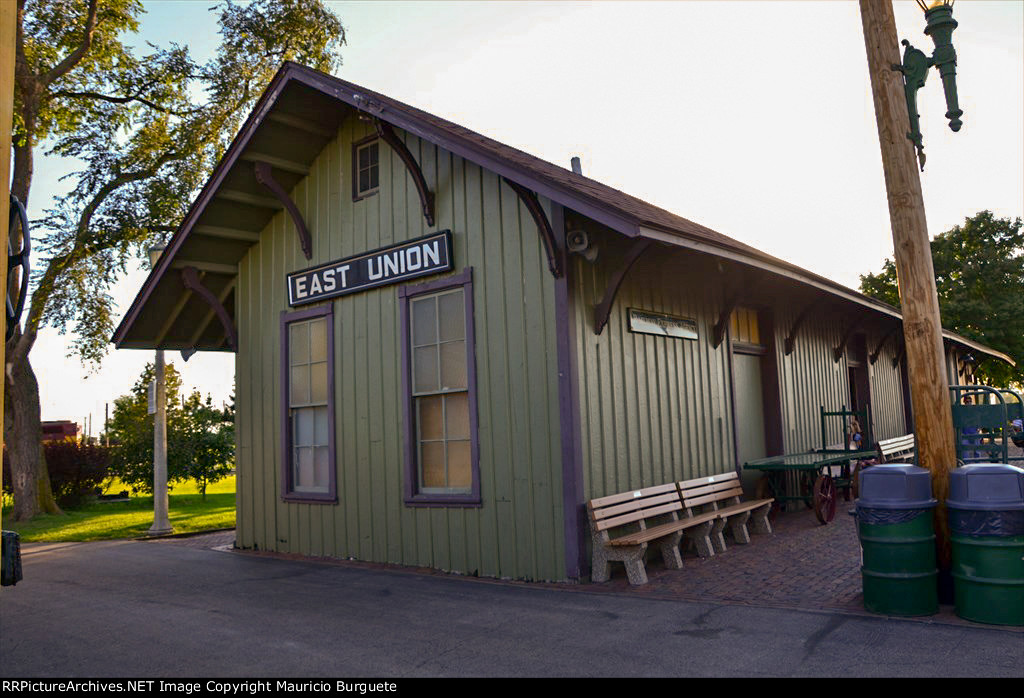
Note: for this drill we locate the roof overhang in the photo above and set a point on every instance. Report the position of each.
(297, 115)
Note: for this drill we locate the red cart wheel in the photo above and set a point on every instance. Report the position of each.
(765, 490)
(825, 498)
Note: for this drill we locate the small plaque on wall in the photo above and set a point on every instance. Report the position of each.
(662, 325)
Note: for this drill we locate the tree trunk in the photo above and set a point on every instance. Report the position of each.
(23, 439)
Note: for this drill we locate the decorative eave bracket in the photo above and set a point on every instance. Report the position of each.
(723, 319)
(532, 204)
(837, 352)
(388, 135)
(264, 177)
(790, 343)
(603, 311)
(873, 357)
(899, 354)
(190, 277)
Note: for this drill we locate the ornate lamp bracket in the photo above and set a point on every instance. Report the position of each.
(940, 26)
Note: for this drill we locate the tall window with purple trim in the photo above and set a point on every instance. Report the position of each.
(442, 402)
(308, 462)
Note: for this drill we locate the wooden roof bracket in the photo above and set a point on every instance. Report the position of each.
(899, 354)
(604, 309)
(723, 319)
(873, 356)
(547, 236)
(388, 135)
(190, 277)
(804, 314)
(264, 177)
(837, 352)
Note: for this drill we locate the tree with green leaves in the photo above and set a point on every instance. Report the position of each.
(979, 275)
(200, 437)
(148, 125)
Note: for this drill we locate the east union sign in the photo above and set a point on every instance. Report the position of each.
(427, 255)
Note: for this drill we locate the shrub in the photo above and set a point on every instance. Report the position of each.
(76, 470)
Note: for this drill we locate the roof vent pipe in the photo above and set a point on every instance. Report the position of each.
(576, 166)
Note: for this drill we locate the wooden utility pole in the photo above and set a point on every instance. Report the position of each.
(8, 25)
(922, 328)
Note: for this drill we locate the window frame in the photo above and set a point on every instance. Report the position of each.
(358, 195)
(407, 293)
(288, 492)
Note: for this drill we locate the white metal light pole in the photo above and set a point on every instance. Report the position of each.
(161, 523)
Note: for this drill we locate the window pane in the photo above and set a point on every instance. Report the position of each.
(318, 383)
(424, 322)
(364, 158)
(364, 180)
(372, 151)
(453, 366)
(374, 182)
(453, 317)
(456, 416)
(298, 352)
(430, 418)
(321, 465)
(317, 340)
(302, 427)
(432, 464)
(460, 472)
(300, 385)
(425, 369)
(303, 468)
(320, 435)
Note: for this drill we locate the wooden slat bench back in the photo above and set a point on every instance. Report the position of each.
(899, 449)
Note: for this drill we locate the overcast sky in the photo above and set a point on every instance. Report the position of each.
(752, 118)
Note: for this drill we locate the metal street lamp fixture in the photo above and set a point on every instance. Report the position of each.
(161, 521)
(939, 25)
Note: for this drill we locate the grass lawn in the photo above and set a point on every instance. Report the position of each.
(188, 512)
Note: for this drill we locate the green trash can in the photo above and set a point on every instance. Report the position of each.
(897, 538)
(986, 521)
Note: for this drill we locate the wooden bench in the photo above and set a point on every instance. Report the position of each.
(638, 518)
(722, 497)
(899, 449)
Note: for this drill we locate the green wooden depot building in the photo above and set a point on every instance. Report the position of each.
(446, 346)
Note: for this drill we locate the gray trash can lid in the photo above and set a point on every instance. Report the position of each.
(986, 487)
(895, 487)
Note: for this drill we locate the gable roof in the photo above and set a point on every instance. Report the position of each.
(228, 214)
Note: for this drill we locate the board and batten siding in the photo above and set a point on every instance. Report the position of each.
(811, 378)
(652, 409)
(517, 532)
(657, 409)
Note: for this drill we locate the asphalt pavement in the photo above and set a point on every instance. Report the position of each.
(194, 608)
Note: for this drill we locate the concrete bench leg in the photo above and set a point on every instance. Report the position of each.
(631, 556)
(636, 571)
(759, 519)
(738, 526)
(670, 551)
(698, 536)
(717, 539)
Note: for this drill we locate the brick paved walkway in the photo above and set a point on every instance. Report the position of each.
(802, 565)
